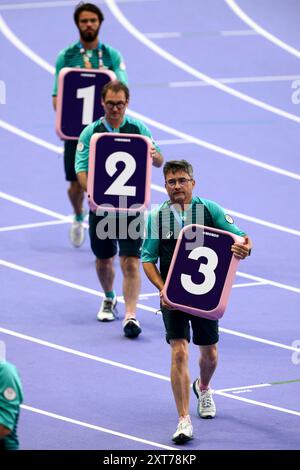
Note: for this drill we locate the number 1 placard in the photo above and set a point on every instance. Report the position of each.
(79, 99)
(119, 172)
(202, 270)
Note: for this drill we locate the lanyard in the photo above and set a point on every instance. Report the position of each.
(86, 58)
(180, 219)
(108, 126)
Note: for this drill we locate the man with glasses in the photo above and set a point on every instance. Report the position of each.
(163, 225)
(88, 52)
(115, 98)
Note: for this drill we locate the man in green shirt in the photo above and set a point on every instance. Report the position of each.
(11, 396)
(88, 52)
(115, 98)
(160, 243)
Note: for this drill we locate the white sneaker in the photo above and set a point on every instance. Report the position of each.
(184, 431)
(206, 407)
(77, 234)
(131, 327)
(107, 310)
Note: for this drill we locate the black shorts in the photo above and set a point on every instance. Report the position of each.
(69, 159)
(177, 325)
(108, 247)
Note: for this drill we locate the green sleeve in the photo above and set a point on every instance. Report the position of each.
(60, 63)
(10, 396)
(150, 248)
(221, 219)
(83, 147)
(119, 66)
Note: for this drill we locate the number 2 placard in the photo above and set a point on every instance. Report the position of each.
(202, 270)
(119, 172)
(79, 99)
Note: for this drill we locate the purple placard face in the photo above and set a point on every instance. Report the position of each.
(200, 269)
(121, 172)
(81, 100)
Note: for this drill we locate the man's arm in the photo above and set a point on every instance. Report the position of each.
(157, 157)
(54, 101)
(241, 250)
(82, 179)
(153, 275)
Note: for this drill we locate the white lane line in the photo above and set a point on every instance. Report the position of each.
(244, 387)
(123, 366)
(25, 135)
(191, 70)
(49, 68)
(87, 290)
(166, 35)
(271, 283)
(35, 225)
(263, 32)
(257, 79)
(75, 352)
(239, 32)
(246, 284)
(96, 428)
(56, 4)
(35, 207)
(259, 403)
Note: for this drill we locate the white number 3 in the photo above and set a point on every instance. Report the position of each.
(207, 269)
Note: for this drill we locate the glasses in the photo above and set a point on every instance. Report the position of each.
(111, 104)
(182, 181)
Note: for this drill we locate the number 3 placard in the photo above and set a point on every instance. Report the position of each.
(202, 270)
(119, 172)
(79, 99)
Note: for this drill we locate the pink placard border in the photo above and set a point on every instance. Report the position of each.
(91, 173)
(61, 78)
(219, 310)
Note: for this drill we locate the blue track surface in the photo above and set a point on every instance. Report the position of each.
(75, 368)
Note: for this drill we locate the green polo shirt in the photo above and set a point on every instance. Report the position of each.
(128, 126)
(155, 246)
(11, 396)
(72, 57)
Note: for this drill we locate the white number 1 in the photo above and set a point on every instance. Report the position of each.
(88, 96)
(207, 269)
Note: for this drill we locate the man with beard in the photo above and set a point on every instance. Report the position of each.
(88, 52)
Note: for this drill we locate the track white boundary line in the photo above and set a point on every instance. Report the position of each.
(34, 225)
(49, 68)
(257, 79)
(96, 428)
(258, 403)
(190, 70)
(56, 4)
(88, 290)
(141, 371)
(263, 32)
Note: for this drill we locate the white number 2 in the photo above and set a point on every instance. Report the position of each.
(207, 269)
(88, 96)
(118, 187)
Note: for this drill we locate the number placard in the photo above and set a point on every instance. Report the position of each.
(79, 99)
(202, 270)
(119, 172)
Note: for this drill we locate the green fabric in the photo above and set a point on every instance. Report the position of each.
(11, 396)
(72, 57)
(152, 243)
(128, 126)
